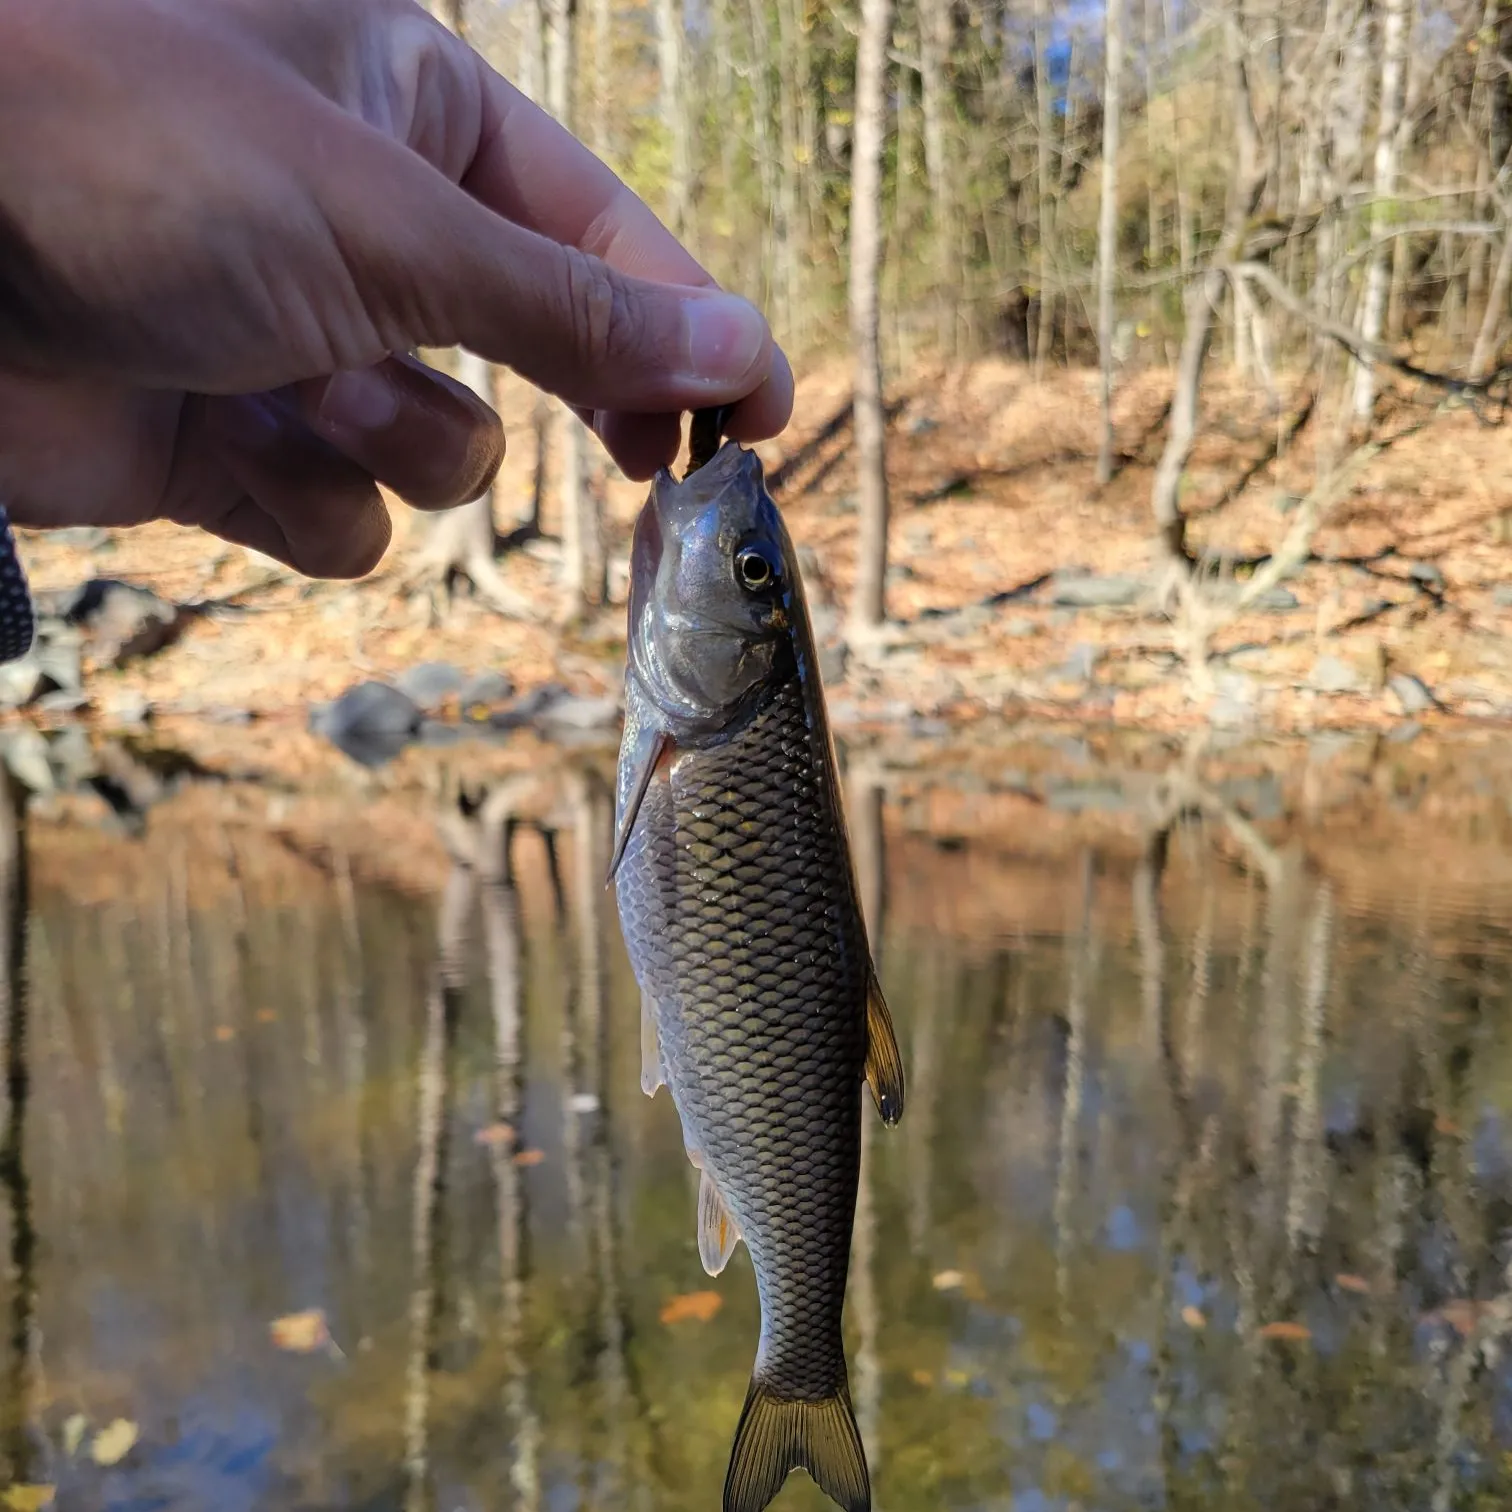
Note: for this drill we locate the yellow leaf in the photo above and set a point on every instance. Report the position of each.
(700, 1306)
(1192, 1317)
(112, 1445)
(73, 1433)
(949, 1280)
(301, 1332)
(494, 1134)
(922, 1378)
(1292, 1333)
(21, 1498)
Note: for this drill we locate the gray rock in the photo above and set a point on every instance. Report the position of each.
(1428, 574)
(1501, 596)
(1277, 600)
(64, 701)
(1103, 797)
(25, 754)
(128, 709)
(1020, 627)
(1078, 666)
(22, 680)
(72, 756)
(1411, 693)
(436, 732)
(1261, 798)
(371, 722)
(576, 711)
(1403, 733)
(484, 688)
(431, 683)
(1331, 675)
(833, 658)
(1086, 591)
(122, 621)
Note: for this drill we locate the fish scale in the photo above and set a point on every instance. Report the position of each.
(764, 1034)
(760, 1007)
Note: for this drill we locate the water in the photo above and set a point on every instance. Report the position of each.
(1201, 1198)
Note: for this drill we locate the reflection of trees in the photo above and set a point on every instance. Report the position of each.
(19, 1382)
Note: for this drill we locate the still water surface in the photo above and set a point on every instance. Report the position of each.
(1202, 1197)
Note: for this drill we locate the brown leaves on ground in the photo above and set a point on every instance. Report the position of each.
(695, 1307)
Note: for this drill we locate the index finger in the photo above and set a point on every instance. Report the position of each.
(533, 171)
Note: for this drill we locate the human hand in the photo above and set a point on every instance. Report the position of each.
(225, 223)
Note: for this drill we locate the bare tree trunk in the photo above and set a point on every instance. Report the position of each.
(1183, 203)
(1485, 81)
(1401, 246)
(582, 552)
(1154, 228)
(601, 42)
(766, 153)
(935, 23)
(1107, 226)
(671, 48)
(1046, 324)
(1487, 340)
(1373, 310)
(868, 609)
(789, 88)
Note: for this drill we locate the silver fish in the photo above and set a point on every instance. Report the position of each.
(761, 1010)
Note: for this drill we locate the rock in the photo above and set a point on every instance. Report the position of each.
(1078, 666)
(436, 732)
(128, 708)
(579, 711)
(1102, 797)
(430, 684)
(1277, 600)
(1403, 733)
(64, 701)
(485, 688)
(371, 722)
(1086, 591)
(1428, 575)
(121, 620)
(1501, 596)
(52, 664)
(1020, 627)
(833, 656)
(72, 756)
(26, 756)
(22, 680)
(1411, 693)
(1331, 675)
(1260, 798)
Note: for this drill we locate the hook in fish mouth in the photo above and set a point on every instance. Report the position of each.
(705, 436)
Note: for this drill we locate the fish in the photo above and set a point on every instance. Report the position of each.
(738, 902)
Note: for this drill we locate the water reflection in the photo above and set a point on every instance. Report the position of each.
(1202, 1198)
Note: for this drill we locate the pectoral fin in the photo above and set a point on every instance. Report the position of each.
(884, 1063)
(644, 754)
(717, 1234)
(653, 1073)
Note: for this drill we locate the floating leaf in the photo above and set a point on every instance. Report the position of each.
(1291, 1333)
(530, 1157)
(698, 1306)
(1193, 1318)
(112, 1445)
(1347, 1281)
(494, 1134)
(949, 1280)
(73, 1433)
(23, 1498)
(301, 1332)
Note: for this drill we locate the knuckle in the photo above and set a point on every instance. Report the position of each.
(605, 321)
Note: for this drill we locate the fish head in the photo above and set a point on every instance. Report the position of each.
(714, 590)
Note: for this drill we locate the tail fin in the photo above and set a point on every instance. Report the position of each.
(777, 1435)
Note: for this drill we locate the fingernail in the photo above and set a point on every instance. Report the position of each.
(725, 338)
(360, 400)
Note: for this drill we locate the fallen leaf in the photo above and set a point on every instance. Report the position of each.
(530, 1157)
(1192, 1317)
(1446, 1126)
(1461, 1314)
(700, 1306)
(949, 1280)
(267, 1015)
(1347, 1281)
(1292, 1333)
(73, 1433)
(301, 1332)
(22, 1498)
(224, 1033)
(494, 1134)
(112, 1445)
(922, 1378)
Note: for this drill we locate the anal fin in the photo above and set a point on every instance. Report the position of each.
(717, 1233)
(884, 1061)
(653, 1073)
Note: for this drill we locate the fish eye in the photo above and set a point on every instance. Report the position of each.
(754, 569)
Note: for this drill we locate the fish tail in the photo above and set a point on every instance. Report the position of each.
(777, 1435)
